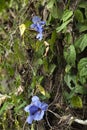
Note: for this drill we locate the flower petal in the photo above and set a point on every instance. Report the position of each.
(35, 98)
(30, 119)
(39, 115)
(33, 109)
(39, 36)
(37, 103)
(44, 106)
(36, 19)
(42, 23)
(36, 109)
(27, 108)
(39, 28)
(32, 26)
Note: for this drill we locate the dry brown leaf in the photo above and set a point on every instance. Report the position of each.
(47, 48)
(2, 98)
(19, 90)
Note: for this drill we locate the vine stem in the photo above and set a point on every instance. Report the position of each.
(79, 121)
(58, 116)
(24, 125)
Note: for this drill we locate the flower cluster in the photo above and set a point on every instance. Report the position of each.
(38, 26)
(36, 110)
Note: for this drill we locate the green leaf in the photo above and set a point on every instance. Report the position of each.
(47, 95)
(52, 41)
(39, 49)
(79, 16)
(3, 108)
(71, 94)
(83, 4)
(17, 109)
(70, 55)
(54, 12)
(6, 106)
(45, 65)
(52, 68)
(82, 27)
(22, 29)
(41, 89)
(82, 67)
(68, 38)
(50, 4)
(81, 43)
(80, 89)
(66, 15)
(68, 68)
(2, 4)
(53, 37)
(32, 127)
(38, 62)
(60, 28)
(76, 102)
(27, 23)
(86, 13)
(68, 78)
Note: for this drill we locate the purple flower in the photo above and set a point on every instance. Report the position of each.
(39, 36)
(36, 19)
(36, 110)
(38, 26)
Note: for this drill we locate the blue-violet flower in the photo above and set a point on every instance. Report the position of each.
(38, 26)
(36, 110)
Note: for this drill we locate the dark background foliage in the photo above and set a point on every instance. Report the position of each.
(55, 68)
